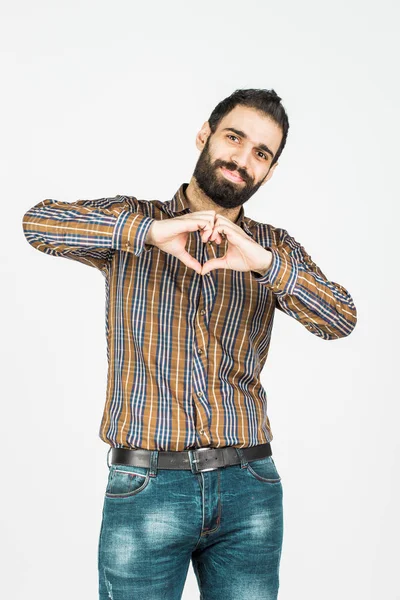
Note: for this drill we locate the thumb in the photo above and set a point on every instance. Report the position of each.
(213, 263)
(189, 261)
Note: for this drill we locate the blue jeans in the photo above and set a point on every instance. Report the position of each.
(228, 522)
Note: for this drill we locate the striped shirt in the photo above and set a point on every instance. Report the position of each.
(185, 351)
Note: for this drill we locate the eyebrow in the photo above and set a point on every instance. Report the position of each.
(243, 135)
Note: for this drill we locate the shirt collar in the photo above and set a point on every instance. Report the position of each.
(179, 205)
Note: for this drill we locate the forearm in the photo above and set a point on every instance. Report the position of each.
(303, 292)
(70, 228)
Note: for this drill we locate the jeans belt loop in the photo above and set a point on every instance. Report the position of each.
(243, 460)
(153, 463)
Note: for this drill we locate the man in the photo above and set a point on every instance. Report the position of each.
(191, 286)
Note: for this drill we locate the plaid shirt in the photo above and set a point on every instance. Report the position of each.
(185, 351)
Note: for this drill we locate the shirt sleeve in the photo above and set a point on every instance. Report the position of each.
(303, 292)
(89, 231)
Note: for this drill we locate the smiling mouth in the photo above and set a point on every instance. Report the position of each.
(231, 175)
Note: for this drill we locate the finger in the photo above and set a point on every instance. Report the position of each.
(214, 263)
(204, 225)
(215, 236)
(225, 231)
(218, 238)
(197, 223)
(219, 232)
(229, 225)
(190, 262)
(206, 230)
(197, 217)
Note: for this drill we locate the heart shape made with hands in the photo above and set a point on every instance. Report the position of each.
(242, 252)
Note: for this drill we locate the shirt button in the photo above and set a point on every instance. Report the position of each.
(199, 350)
(199, 393)
(209, 274)
(202, 312)
(202, 431)
(127, 245)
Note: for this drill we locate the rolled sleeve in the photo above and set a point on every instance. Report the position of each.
(130, 232)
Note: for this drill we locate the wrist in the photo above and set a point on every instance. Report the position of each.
(265, 267)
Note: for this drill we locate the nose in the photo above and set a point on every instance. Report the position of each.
(240, 158)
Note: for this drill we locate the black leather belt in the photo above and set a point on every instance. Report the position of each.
(203, 459)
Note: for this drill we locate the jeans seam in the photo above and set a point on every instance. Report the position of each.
(207, 531)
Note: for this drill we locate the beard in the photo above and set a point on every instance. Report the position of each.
(223, 192)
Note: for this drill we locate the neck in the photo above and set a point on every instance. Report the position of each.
(198, 200)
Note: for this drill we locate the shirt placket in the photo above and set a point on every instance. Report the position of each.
(206, 300)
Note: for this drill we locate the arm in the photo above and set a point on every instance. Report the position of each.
(303, 292)
(88, 231)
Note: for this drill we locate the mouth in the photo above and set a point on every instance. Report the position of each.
(231, 175)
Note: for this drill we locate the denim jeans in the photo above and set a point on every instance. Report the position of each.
(228, 522)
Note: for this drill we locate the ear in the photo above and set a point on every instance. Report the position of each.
(270, 173)
(202, 136)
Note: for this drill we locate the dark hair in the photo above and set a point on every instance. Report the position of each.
(266, 101)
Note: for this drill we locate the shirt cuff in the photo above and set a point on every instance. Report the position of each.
(282, 273)
(130, 232)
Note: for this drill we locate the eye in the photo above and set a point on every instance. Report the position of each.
(230, 136)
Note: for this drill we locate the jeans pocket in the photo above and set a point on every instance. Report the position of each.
(264, 469)
(126, 480)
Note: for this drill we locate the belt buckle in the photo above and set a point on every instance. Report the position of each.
(196, 451)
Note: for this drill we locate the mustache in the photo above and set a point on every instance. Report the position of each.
(232, 167)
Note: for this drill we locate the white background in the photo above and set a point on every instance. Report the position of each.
(105, 98)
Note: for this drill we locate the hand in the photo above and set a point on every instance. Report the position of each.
(243, 253)
(170, 235)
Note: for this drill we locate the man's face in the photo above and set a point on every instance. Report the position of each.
(234, 161)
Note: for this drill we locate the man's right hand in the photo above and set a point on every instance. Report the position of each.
(170, 235)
